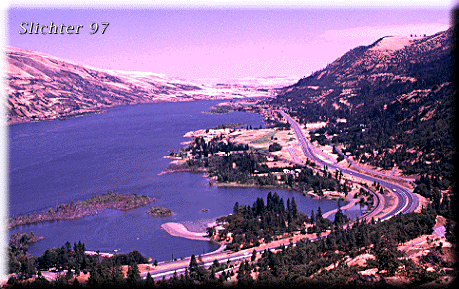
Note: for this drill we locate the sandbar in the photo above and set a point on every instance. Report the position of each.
(179, 230)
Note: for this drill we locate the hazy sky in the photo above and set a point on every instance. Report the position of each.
(218, 43)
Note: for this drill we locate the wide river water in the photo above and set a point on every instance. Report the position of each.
(55, 162)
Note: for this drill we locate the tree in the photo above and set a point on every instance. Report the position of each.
(340, 218)
(194, 269)
(149, 281)
(96, 277)
(236, 208)
(244, 277)
(116, 274)
(274, 147)
(68, 275)
(319, 214)
(193, 261)
(361, 204)
(75, 283)
(294, 207)
(210, 231)
(27, 267)
(254, 255)
(68, 247)
(222, 278)
(387, 258)
(40, 282)
(133, 275)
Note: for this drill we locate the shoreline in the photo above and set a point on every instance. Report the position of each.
(179, 230)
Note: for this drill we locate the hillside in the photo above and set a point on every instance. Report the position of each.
(43, 87)
(389, 103)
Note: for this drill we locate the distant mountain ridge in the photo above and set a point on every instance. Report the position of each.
(419, 62)
(393, 97)
(43, 87)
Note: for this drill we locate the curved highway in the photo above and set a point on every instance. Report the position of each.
(368, 170)
(407, 201)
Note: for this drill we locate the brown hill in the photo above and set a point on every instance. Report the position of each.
(387, 103)
(42, 87)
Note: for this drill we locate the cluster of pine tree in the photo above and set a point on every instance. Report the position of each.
(19, 260)
(241, 165)
(73, 261)
(238, 164)
(200, 148)
(290, 266)
(388, 132)
(430, 187)
(250, 225)
(303, 264)
(247, 167)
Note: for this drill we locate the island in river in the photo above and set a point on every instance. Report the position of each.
(94, 205)
(159, 212)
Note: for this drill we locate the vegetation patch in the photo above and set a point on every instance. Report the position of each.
(228, 125)
(220, 109)
(159, 212)
(95, 204)
(265, 138)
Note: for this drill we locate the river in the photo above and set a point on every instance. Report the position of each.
(55, 162)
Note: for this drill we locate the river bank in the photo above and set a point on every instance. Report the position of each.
(123, 149)
(179, 230)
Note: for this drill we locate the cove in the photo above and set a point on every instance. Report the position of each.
(54, 162)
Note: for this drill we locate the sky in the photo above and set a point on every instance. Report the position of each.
(225, 42)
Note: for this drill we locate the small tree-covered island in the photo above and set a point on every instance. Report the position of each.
(91, 206)
(159, 212)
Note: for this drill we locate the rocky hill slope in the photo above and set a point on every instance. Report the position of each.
(42, 87)
(387, 104)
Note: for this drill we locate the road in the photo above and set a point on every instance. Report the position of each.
(371, 171)
(292, 152)
(180, 265)
(406, 200)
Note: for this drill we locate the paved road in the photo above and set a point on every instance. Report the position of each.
(407, 201)
(371, 171)
(180, 265)
(291, 150)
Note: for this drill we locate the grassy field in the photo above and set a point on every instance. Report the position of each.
(265, 138)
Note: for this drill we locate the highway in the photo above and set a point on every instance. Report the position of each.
(371, 171)
(180, 265)
(406, 200)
